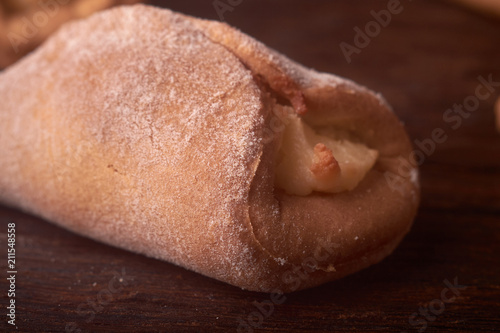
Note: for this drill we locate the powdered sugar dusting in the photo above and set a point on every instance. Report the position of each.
(172, 116)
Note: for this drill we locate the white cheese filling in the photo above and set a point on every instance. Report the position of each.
(308, 161)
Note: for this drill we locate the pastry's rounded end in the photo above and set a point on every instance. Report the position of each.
(312, 235)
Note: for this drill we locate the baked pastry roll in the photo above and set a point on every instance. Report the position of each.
(189, 141)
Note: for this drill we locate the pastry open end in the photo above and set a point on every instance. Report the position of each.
(309, 160)
(170, 141)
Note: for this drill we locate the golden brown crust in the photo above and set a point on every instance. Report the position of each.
(324, 164)
(278, 72)
(152, 140)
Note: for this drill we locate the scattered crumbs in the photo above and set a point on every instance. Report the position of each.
(94, 284)
(120, 279)
(280, 261)
(356, 238)
(358, 315)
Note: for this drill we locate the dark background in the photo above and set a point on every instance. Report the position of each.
(427, 59)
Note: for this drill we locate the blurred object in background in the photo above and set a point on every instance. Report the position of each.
(488, 7)
(25, 24)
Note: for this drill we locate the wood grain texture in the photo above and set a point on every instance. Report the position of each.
(426, 60)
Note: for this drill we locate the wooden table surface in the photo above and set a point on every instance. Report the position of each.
(426, 60)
